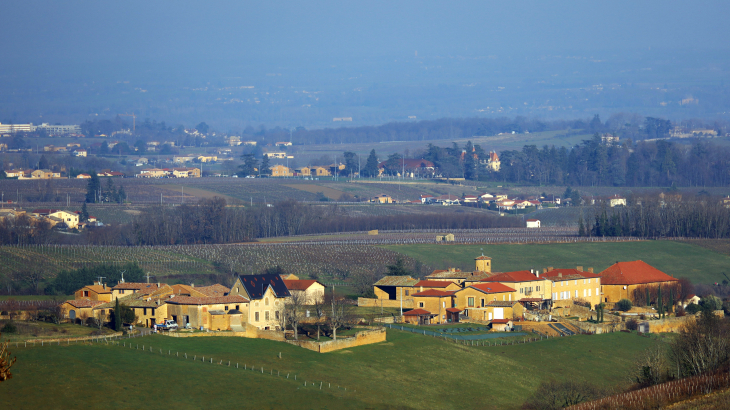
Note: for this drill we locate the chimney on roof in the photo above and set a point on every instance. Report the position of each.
(560, 274)
(544, 270)
(104, 286)
(192, 285)
(590, 270)
(550, 268)
(158, 284)
(580, 268)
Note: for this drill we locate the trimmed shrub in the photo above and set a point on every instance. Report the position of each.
(9, 328)
(632, 324)
(692, 309)
(624, 305)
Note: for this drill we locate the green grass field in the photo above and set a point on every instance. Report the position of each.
(407, 371)
(678, 259)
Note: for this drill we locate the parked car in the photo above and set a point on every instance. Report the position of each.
(167, 325)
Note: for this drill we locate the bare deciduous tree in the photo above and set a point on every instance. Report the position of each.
(319, 306)
(339, 315)
(294, 309)
(651, 367)
(5, 361)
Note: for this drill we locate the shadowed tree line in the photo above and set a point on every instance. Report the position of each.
(595, 163)
(698, 218)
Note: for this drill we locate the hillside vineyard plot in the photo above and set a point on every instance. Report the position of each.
(337, 261)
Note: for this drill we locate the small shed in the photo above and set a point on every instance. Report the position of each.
(452, 315)
(373, 232)
(502, 325)
(418, 317)
(449, 237)
(533, 223)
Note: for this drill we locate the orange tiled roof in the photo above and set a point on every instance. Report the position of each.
(213, 290)
(299, 284)
(434, 293)
(633, 273)
(517, 276)
(98, 289)
(189, 300)
(491, 287)
(84, 303)
(568, 274)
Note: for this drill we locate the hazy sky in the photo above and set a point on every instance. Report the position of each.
(158, 31)
(72, 60)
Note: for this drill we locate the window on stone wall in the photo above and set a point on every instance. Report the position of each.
(256, 316)
(266, 301)
(266, 315)
(470, 302)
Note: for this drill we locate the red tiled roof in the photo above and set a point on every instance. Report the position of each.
(501, 321)
(188, 300)
(417, 312)
(533, 220)
(633, 273)
(517, 276)
(491, 287)
(299, 284)
(434, 283)
(453, 310)
(483, 258)
(434, 293)
(531, 300)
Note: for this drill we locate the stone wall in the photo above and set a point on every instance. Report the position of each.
(372, 302)
(206, 334)
(365, 337)
(668, 325)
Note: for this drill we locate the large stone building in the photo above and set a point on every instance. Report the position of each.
(620, 280)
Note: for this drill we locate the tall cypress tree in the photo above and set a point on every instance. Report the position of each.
(117, 317)
(371, 166)
(648, 297)
(670, 305)
(660, 303)
(581, 227)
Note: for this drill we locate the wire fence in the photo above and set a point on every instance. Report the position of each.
(126, 342)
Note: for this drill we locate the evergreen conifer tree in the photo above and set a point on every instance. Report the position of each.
(117, 317)
(371, 166)
(84, 213)
(265, 170)
(581, 227)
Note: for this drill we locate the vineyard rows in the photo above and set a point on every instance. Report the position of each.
(661, 395)
(336, 261)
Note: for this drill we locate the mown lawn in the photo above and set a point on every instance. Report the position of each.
(699, 264)
(407, 371)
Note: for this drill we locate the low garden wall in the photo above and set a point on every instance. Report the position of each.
(75, 339)
(365, 337)
(205, 334)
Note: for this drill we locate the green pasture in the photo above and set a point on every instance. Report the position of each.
(678, 259)
(392, 374)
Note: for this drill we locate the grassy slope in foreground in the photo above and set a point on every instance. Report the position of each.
(675, 258)
(408, 371)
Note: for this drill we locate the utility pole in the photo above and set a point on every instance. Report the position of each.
(148, 277)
